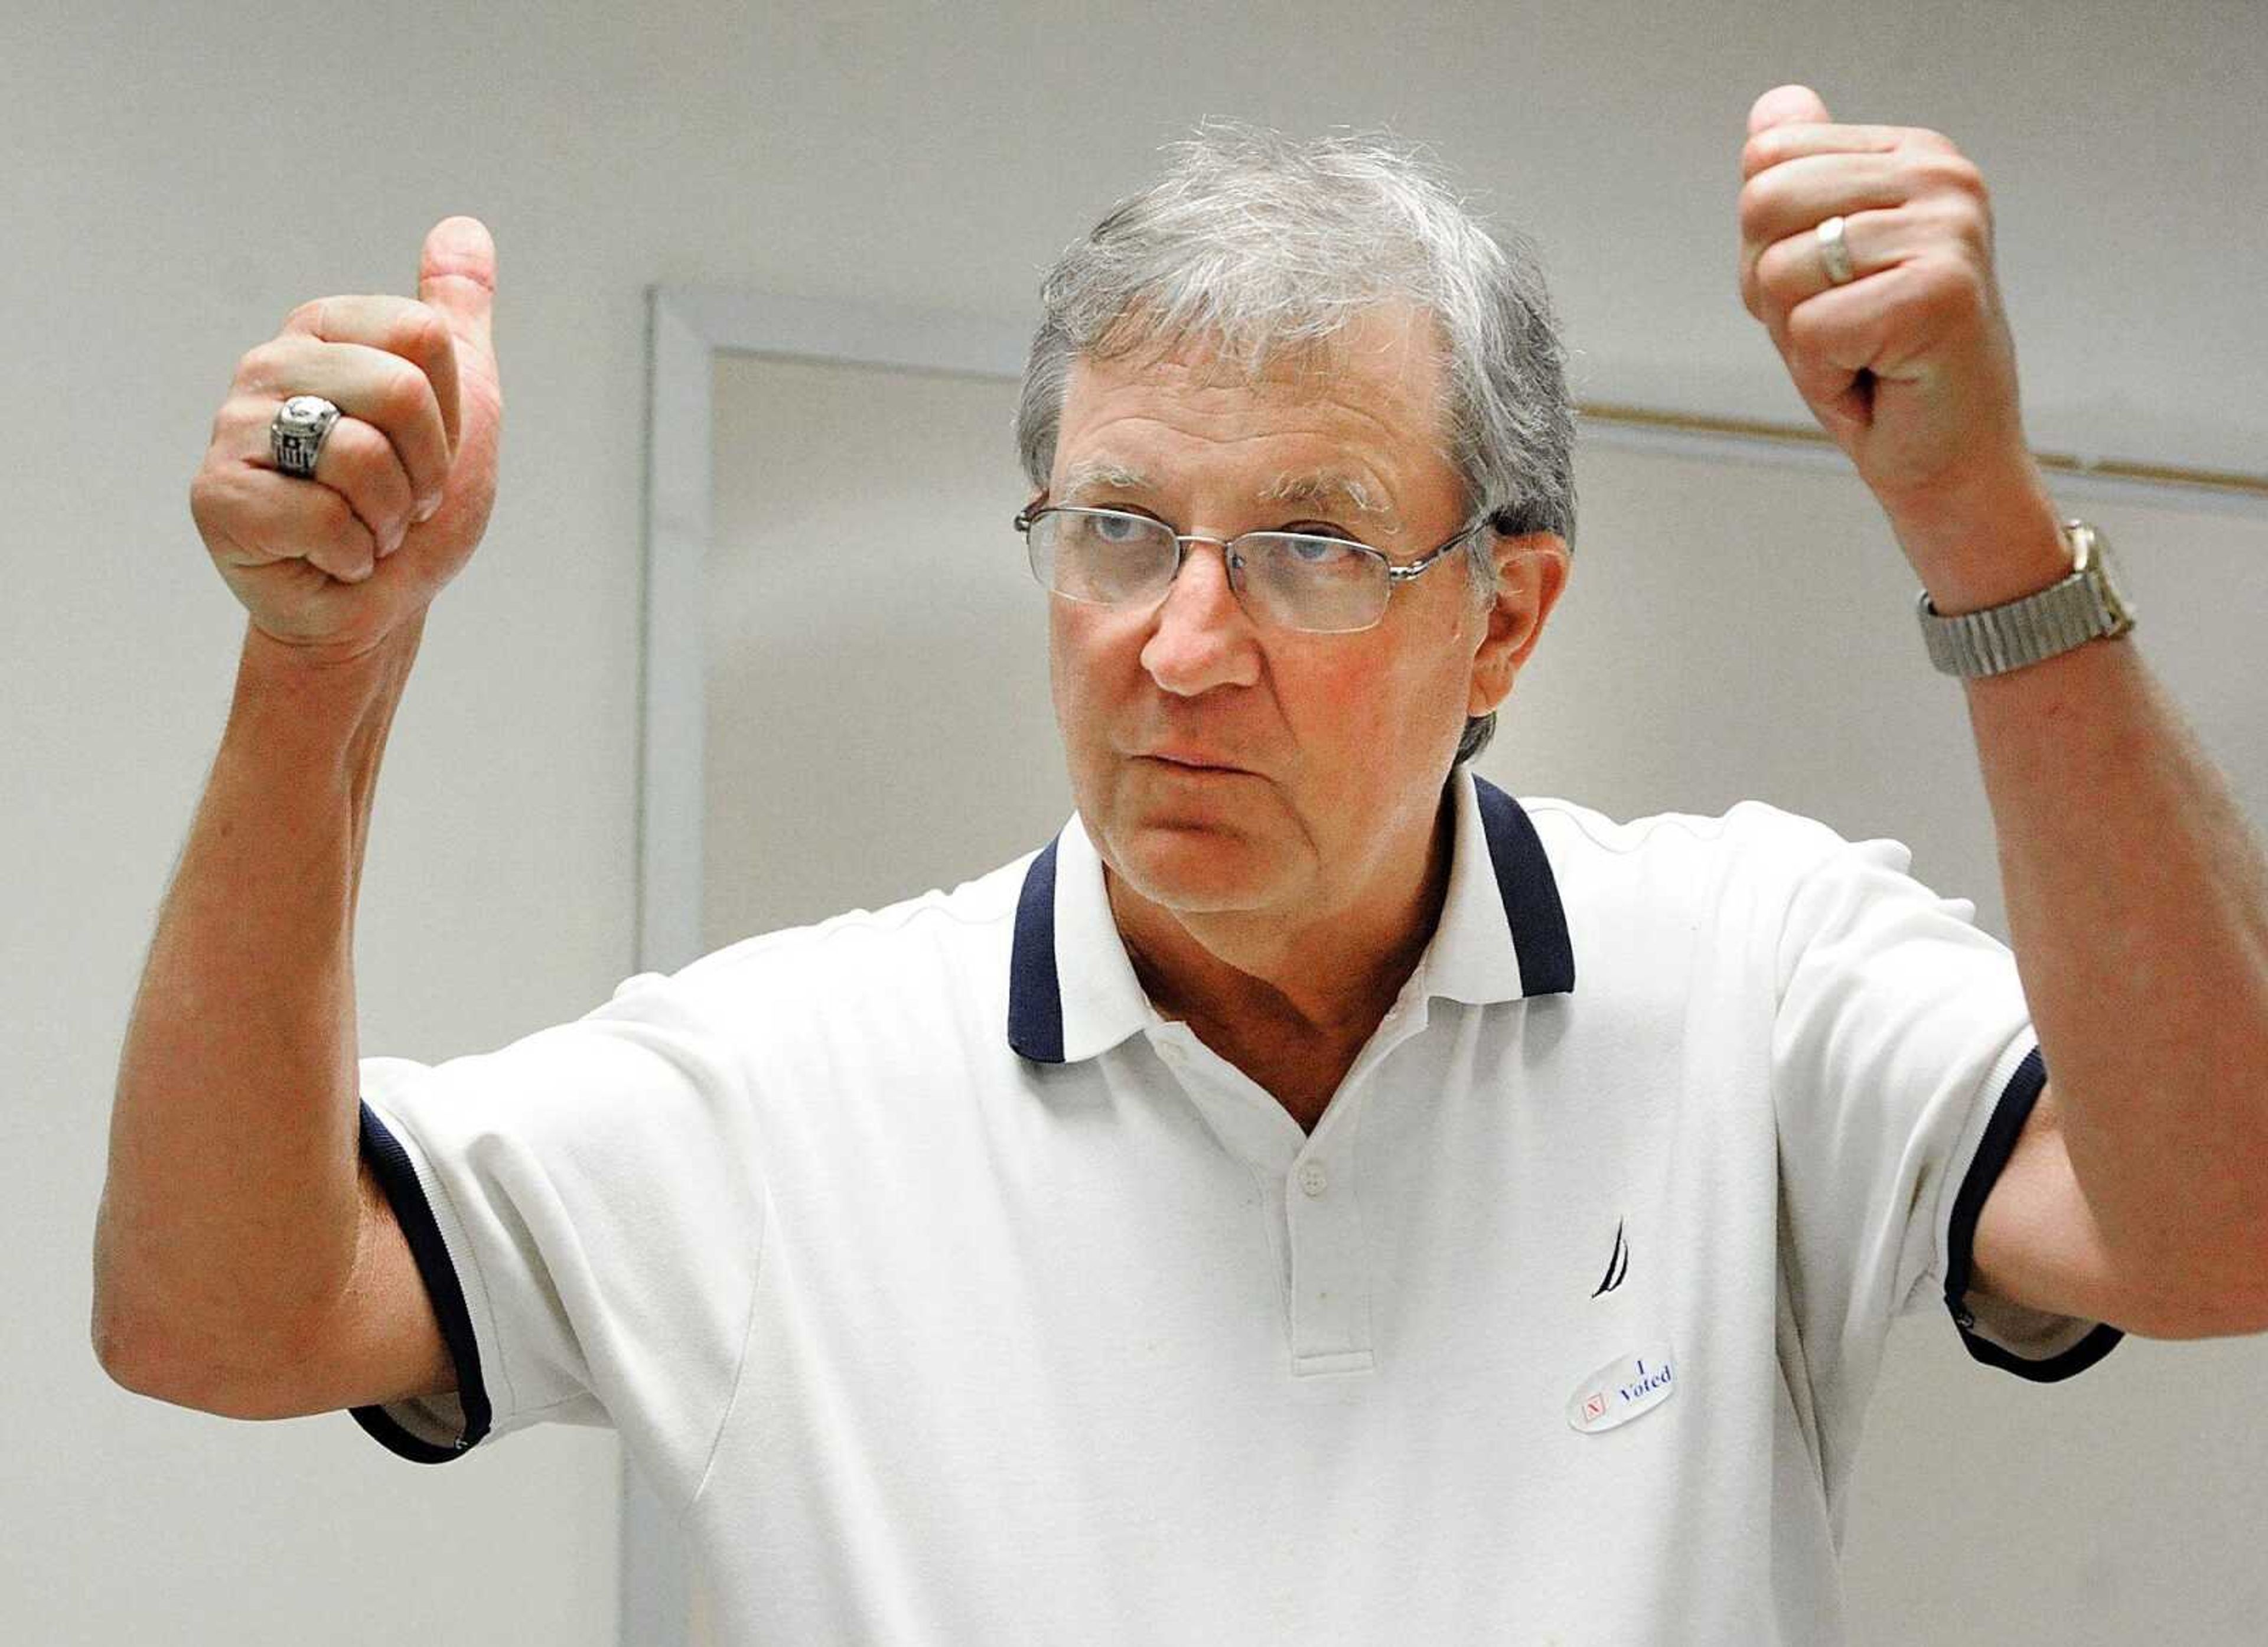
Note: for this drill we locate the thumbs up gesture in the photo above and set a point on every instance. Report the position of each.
(1893, 330)
(332, 562)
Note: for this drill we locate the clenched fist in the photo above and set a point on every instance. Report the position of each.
(334, 561)
(1906, 359)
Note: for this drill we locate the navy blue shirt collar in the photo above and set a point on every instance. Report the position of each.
(1502, 936)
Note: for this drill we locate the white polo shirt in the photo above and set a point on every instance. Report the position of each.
(952, 1295)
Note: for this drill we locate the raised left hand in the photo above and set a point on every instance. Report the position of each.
(1909, 364)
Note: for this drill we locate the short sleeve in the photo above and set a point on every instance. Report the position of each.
(586, 1212)
(1903, 1067)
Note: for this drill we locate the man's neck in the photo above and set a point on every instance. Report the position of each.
(1266, 977)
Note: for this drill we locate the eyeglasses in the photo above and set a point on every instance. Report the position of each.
(1294, 580)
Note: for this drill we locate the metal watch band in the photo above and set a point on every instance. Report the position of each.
(2082, 607)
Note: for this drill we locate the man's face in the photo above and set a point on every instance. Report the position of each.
(1340, 742)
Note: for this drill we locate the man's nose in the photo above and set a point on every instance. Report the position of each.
(1202, 637)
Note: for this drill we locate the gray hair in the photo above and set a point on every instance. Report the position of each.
(1261, 245)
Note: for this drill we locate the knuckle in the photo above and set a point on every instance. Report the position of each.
(1955, 172)
(1960, 222)
(361, 456)
(420, 330)
(220, 501)
(1770, 144)
(382, 480)
(240, 427)
(1981, 206)
(1972, 228)
(335, 516)
(1808, 328)
(1754, 207)
(1937, 292)
(1961, 292)
(1769, 276)
(404, 397)
(257, 365)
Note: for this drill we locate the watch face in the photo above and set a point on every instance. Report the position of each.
(2101, 570)
(2113, 596)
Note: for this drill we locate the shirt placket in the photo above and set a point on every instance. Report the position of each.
(1309, 1184)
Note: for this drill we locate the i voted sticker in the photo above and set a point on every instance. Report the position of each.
(1621, 1390)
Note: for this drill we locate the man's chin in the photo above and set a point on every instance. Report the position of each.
(1194, 870)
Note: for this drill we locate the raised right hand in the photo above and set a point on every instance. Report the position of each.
(314, 559)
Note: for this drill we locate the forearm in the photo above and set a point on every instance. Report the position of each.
(2137, 897)
(2138, 907)
(230, 1213)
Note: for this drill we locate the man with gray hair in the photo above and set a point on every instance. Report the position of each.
(1315, 1197)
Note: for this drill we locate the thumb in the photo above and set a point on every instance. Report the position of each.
(456, 274)
(1783, 103)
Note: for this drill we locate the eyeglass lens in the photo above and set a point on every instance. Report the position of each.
(1300, 582)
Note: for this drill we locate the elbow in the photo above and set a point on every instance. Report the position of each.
(131, 1361)
(121, 1348)
(124, 1331)
(131, 1350)
(2240, 1307)
(2231, 1305)
(2218, 1322)
(150, 1365)
(2248, 1314)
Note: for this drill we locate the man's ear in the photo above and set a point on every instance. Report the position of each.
(1531, 575)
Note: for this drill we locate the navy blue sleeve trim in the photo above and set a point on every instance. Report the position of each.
(1993, 1153)
(399, 1178)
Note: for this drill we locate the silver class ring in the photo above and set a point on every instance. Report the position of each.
(295, 435)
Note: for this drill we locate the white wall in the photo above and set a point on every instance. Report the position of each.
(177, 180)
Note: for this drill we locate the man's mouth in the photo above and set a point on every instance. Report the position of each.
(1192, 759)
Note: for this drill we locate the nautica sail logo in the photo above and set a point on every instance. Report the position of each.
(1617, 1267)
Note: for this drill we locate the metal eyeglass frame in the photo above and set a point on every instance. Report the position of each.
(1397, 573)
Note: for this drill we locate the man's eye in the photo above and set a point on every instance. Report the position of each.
(1316, 551)
(1120, 528)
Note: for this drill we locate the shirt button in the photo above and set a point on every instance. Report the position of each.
(1313, 1178)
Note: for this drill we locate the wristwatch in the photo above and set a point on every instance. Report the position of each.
(2084, 606)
